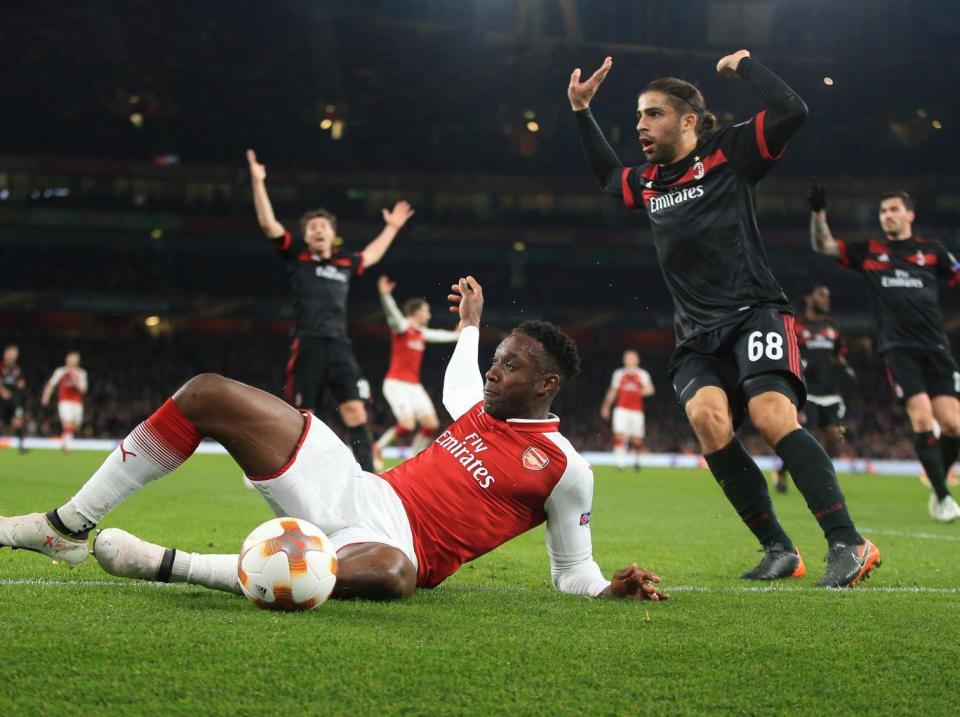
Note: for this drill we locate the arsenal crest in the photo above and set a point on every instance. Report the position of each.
(534, 459)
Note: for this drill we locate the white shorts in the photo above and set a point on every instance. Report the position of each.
(407, 399)
(71, 413)
(629, 423)
(324, 484)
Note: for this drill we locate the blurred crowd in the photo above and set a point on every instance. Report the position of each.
(130, 376)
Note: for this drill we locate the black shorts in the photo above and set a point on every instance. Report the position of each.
(10, 409)
(819, 416)
(316, 364)
(913, 371)
(761, 342)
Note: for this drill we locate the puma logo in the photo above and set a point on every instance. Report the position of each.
(124, 452)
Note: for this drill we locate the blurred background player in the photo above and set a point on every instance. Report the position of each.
(409, 401)
(902, 272)
(321, 355)
(12, 387)
(628, 387)
(823, 355)
(72, 383)
(736, 348)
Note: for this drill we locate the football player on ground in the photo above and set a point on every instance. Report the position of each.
(901, 271)
(321, 355)
(629, 385)
(501, 468)
(72, 383)
(409, 401)
(823, 356)
(12, 388)
(736, 349)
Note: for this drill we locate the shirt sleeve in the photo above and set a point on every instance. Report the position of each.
(397, 322)
(645, 378)
(754, 146)
(569, 543)
(852, 254)
(604, 162)
(462, 383)
(286, 247)
(615, 379)
(947, 266)
(440, 336)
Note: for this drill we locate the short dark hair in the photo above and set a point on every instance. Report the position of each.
(902, 196)
(813, 287)
(561, 350)
(411, 306)
(313, 214)
(684, 96)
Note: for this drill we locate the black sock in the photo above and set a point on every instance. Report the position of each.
(949, 449)
(746, 489)
(21, 433)
(361, 446)
(816, 479)
(931, 458)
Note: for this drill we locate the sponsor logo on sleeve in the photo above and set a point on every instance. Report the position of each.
(585, 518)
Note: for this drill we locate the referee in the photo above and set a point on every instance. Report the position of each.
(321, 355)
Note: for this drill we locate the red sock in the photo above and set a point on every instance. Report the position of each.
(167, 437)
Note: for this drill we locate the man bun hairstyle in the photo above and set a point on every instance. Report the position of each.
(901, 195)
(313, 214)
(684, 97)
(560, 348)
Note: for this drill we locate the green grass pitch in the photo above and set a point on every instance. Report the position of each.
(497, 638)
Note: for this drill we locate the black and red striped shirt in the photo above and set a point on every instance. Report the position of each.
(705, 229)
(320, 287)
(902, 276)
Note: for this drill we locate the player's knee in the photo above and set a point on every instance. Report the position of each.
(407, 423)
(353, 413)
(711, 422)
(429, 423)
(774, 416)
(201, 393)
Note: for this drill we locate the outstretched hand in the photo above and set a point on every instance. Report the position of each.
(402, 211)
(258, 172)
(635, 583)
(385, 285)
(728, 65)
(467, 299)
(581, 93)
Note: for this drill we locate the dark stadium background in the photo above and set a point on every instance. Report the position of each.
(124, 193)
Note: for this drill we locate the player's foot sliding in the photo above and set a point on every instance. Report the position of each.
(847, 565)
(126, 556)
(944, 510)
(44, 534)
(777, 562)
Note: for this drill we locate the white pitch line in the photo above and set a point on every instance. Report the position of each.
(905, 534)
(88, 583)
(778, 589)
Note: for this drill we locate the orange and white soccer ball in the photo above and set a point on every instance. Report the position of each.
(287, 564)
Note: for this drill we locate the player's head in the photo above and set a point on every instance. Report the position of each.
(319, 229)
(528, 368)
(671, 115)
(897, 215)
(418, 311)
(73, 359)
(631, 359)
(10, 354)
(817, 297)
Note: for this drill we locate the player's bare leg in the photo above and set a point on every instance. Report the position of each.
(636, 445)
(850, 558)
(932, 452)
(620, 450)
(742, 483)
(354, 417)
(66, 437)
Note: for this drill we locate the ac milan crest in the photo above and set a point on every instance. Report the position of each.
(699, 170)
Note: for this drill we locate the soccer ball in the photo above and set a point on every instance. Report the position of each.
(287, 564)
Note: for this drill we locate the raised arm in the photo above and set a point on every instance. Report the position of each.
(440, 336)
(608, 400)
(51, 384)
(786, 111)
(261, 201)
(395, 319)
(604, 162)
(393, 223)
(821, 239)
(462, 382)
